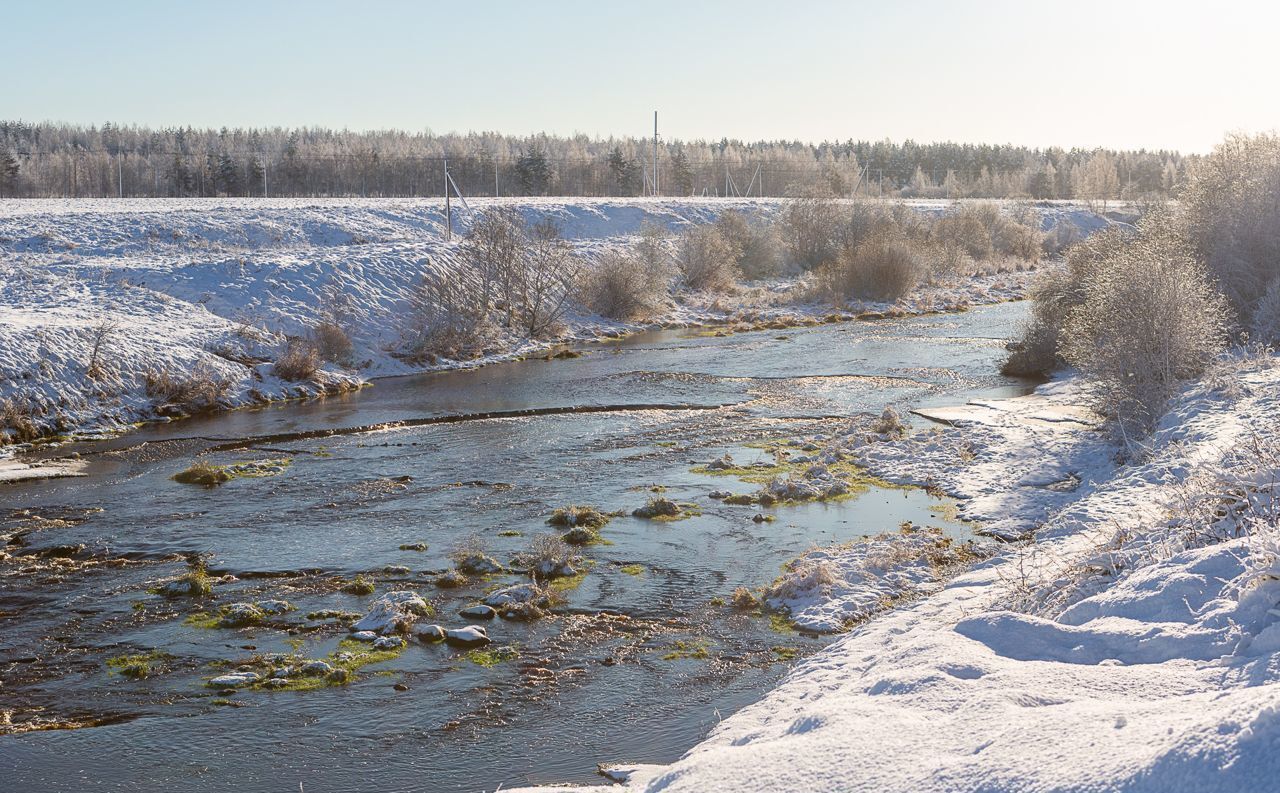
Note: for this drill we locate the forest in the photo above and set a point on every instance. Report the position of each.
(56, 160)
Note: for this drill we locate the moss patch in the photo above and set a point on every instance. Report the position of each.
(137, 666)
(682, 650)
(632, 569)
(490, 657)
(209, 475)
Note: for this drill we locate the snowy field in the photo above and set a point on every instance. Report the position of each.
(1134, 646)
(215, 286)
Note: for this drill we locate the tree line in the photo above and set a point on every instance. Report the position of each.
(56, 160)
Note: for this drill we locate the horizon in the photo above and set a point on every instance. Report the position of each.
(926, 72)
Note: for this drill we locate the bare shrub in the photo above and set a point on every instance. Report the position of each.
(546, 284)
(813, 229)
(17, 422)
(449, 320)
(758, 244)
(195, 391)
(99, 340)
(967, 228)
(1018, 240)
(493, 251)
(706, 260)
(623, 285)
(1150, 319)
(880, 268)
(299, 360)
(332, 343)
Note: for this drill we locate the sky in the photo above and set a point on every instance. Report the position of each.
(1121, 74)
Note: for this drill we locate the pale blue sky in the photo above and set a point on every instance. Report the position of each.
(1117, 73)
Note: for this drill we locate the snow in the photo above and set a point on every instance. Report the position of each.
(215, 286)
(1135, 645)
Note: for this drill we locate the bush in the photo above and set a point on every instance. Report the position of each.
(332, 342)
(449, 320)
(623, 285)
(1231, 211)
(1266, 317)
(17, 422)
(200, 390)
(966, 228)
(758, 245)
(706, 260)
(298, 361)
(1150, 318)
(1054, 295)
(880, 268)
(813, 229)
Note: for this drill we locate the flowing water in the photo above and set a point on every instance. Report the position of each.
(636, 665)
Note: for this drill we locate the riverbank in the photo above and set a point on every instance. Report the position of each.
(1141, 619)
(113, 313)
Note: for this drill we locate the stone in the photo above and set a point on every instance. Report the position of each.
(478, 612)
(392, 610)
(235, 679)
(470, 636)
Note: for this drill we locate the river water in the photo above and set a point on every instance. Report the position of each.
(601, 679)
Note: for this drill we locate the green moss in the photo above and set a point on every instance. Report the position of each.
(414, 546)
(137, 666)
(748, 473)
(209, 475)
(666, 444)
(567, 583)
(786, 653)
(632, 569)
(204, 620)
(717, 601)
(682, 650)
(509, 533)
(490, 657)
(358, 586)
(779, 623)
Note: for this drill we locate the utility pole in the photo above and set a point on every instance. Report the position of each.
(655, 153)
(120, 174)
(264, 177)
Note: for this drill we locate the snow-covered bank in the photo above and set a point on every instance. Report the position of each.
(1134, 646)
(211, 289)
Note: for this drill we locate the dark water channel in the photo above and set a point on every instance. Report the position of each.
(596, 681)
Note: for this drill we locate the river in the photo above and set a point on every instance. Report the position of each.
(637, 663)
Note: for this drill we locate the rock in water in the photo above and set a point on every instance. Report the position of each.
(478, 612)
(391, 610)
(470, 636)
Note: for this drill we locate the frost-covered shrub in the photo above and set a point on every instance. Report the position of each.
(299, 360)
(706, 260)
(1266, 317)
(813, 229)
(1018, 240)
(881, 268)
(1231, 212)
(623, 285)
(1150, 318)
(968, 228)
(758, 244)
(1055, 293)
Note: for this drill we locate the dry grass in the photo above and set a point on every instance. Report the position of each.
(299, 360)
(202, 389)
